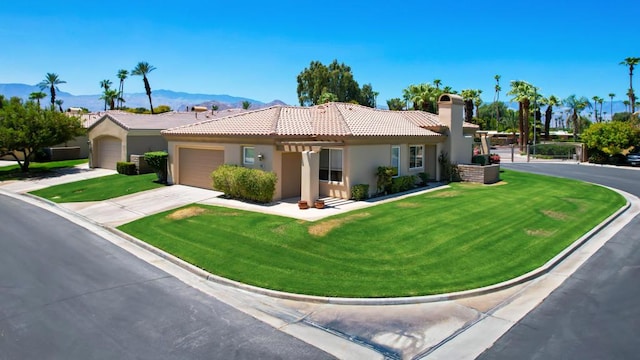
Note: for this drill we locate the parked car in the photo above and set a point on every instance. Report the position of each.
(633, 158)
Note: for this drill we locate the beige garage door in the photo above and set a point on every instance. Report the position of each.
(196, 165)
(108, 151)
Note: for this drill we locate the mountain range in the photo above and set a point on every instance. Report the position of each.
(176, 100)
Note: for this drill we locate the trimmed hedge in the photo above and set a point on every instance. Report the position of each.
(360, 192)
(126, 168)
(157, 160)
(403, 183)
(245, 184)
(424, 178)
(480, 160)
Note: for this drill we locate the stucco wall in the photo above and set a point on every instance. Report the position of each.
(138, 145)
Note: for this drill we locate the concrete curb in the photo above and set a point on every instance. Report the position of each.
(544, 269)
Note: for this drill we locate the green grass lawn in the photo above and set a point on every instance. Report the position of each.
(460, 238)
(13, 172)
(102, 188)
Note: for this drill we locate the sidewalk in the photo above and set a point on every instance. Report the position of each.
(431, 328)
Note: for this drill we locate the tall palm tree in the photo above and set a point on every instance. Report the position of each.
(626, 105)
(551, 102)
(522, 92)
(51, 81)
(631, 62)
(576, 104)
(59, 102)
(611, 96)
(437, 83)
(37, 95)
(122, 75)
(600, 102)
(106, 85)
(143, 69)
(597, 100)
(496, 98)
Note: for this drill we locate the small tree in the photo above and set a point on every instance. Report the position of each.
(246, 104)
(26, 128)
(612, 137)
(157, 160)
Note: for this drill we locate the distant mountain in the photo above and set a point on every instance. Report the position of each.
(176, 100)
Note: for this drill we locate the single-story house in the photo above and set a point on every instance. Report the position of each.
(321, 150)
(116, 135)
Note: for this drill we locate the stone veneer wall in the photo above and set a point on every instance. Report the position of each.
(141, 166)
(488, 174)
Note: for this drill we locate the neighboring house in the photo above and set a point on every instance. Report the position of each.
(116, 135)
(322, 150)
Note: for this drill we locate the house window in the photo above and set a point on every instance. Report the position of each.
(395, 158)
(331, 165)
(248, 155)
(415, 156)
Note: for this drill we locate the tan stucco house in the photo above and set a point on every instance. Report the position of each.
(321, 150)
(116, 135)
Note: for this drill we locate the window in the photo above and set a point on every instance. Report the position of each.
(248, 155)
(395, 158)
(331, 165)
(415, 156)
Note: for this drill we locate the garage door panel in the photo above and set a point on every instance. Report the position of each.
(196, 165)
(108, 152)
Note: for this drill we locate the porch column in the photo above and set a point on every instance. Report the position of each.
(310, 181)
(438, 151)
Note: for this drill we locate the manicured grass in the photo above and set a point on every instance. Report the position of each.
(13, 172)
(460, 238)
(102, 188)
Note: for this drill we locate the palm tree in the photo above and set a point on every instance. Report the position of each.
(122, 75)
(247, 104)
(37, 95)
(51, 81)
(143, 69)
(469, 96)
(551, 102)
(597, 100)
(110, 96)
(522, 92)
(576, 105)
(611, 96)
(106, 85)
(437, 83)
(600, 102)
(59, 102)
(496, 98)
(631, 62)
(626, 105)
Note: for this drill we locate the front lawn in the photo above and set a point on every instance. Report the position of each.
(455, 239)
(13, 172)
(102, 188)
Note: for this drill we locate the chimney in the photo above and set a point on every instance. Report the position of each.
(458, 148)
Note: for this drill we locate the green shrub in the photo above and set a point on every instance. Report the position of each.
(479, 159)
(360, 192)
(424, 178)
(598, 157)
(157, 160)
(245, 184)
(403, 183)
(555, 150)
(126, 168)
(385, 174)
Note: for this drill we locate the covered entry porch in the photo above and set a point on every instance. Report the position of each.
(301, 169)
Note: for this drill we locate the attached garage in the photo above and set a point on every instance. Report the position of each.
(195, 166)
(107, 152)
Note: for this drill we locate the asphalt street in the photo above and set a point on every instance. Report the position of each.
(66, 293)
(594, 314)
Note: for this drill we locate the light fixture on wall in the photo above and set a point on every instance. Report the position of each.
(260, 157)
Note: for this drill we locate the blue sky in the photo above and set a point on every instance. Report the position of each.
(256, 49)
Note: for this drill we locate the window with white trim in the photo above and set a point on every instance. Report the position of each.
(331, 165)
(416, 155)
(395, 158)
(248, 155)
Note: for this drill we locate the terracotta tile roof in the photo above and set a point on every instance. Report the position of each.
(332, 119)
(131, 121)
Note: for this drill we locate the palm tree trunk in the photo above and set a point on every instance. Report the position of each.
(547, 121)
(521, 125)
(148, 90)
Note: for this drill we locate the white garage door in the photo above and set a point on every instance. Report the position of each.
(108, 151)
(196, 165)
